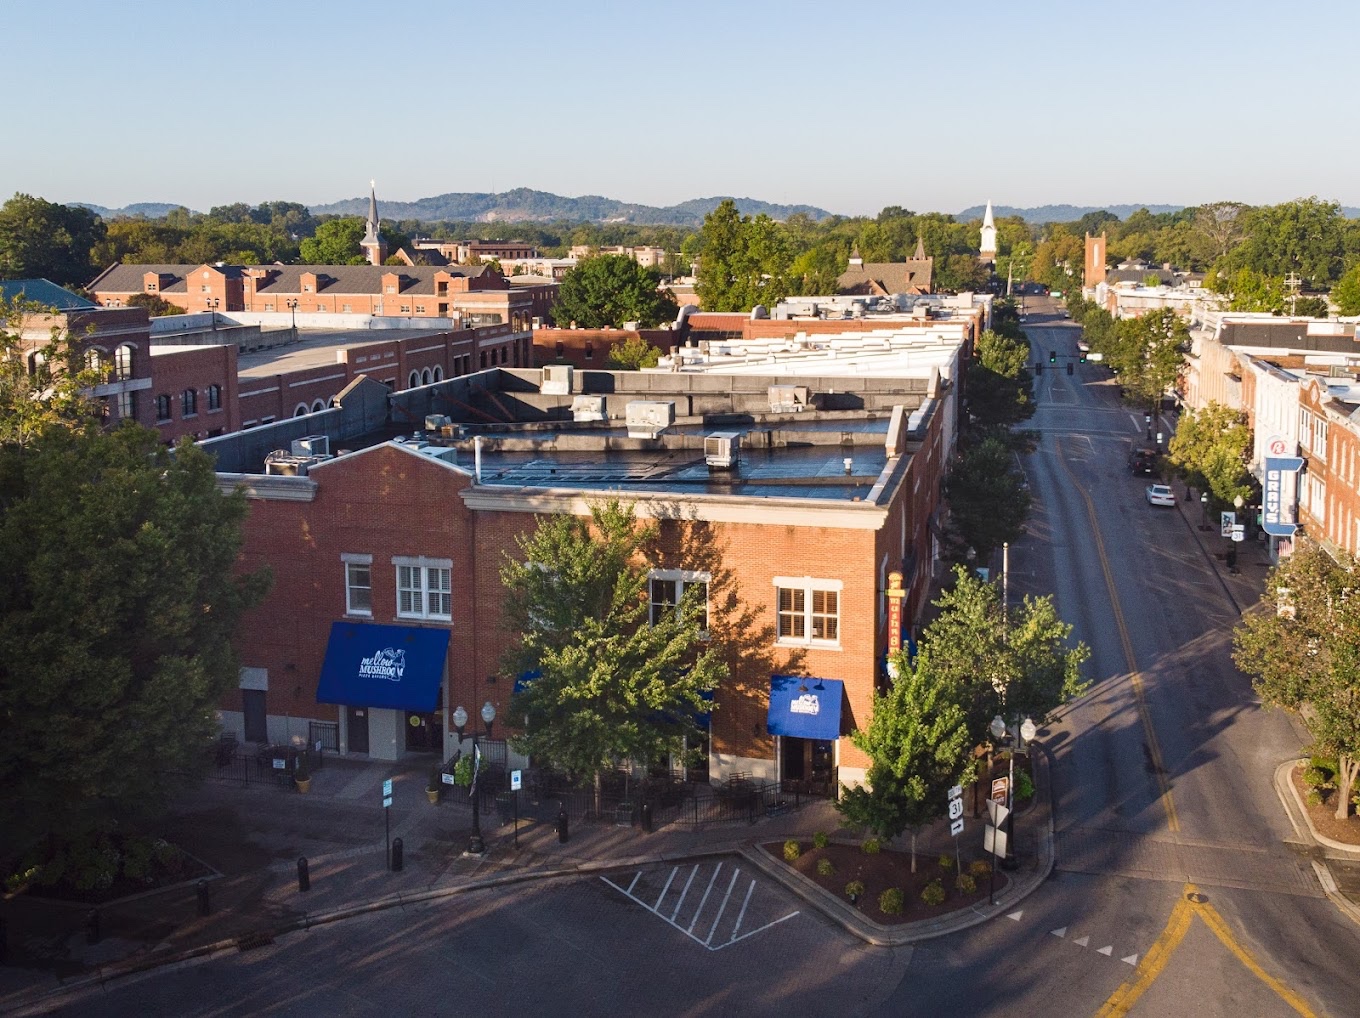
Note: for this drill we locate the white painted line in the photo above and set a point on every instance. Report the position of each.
(723, 908)
(684, 892)
(1061, 931)
(704, 900)
(1016, 914)
(657, 906)
(754, 932)
(1108, 952)
(1082, 942)
(742, 914)
(1130, 960)
(636, 877)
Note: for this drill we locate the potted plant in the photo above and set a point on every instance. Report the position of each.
(435, 786)
(302, 777)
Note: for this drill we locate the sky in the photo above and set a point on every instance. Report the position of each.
(849, 107)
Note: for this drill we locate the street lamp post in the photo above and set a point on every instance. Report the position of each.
(213, 304)
(292, 306)
(1018, 736)
(476, 846)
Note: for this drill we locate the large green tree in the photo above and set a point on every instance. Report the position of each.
(607, 290)
(743, 261)
(335, 242)
(43, 240)
(1210, 450)
(1000, 385)
(988, 497)
(1301, 647)
(918, 744)
(611, 683)
(1148, 353)
(118, 603)
(44, 381)
(1346, 294)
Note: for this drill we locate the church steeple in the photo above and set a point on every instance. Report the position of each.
(920, 254)
(988, 246)
(373, 246)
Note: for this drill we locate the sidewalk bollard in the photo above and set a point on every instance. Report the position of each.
(562, 835)
(92, 926)
(304, 878)
(397, 861)
(204, 906)
(647, 817)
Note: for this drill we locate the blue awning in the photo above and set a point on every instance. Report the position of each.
(806, 708)
(398, 667)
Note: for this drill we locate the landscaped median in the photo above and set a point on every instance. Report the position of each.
(1313, 782)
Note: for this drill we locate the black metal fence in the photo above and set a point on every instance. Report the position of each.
(262, 765)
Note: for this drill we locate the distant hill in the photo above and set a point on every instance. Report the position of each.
(525, 205)
(150, 209)
(1060, 213)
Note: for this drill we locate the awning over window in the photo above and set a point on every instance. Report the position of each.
(398, 667)
(806, 708)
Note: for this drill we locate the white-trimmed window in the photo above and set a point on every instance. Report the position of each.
(424, 588)
(1305, 428)
(808, 611)
(358, 584)
(1320, 439)
(1317, 499)
(667, 586)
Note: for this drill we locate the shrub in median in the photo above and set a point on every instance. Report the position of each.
(792, 850)
(980, 868)
(933, 894)
(854, 889)
(825, 867)
(820, 840)
(871, 846)
(890, 901)
(965, 883)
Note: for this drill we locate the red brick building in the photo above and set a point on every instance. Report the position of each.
(399, 540)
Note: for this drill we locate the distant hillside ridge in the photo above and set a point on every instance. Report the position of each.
(526, 205)
(1071, 213)
(150, 209)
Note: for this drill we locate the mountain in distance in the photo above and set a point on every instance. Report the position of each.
(150, 209)
(1060, 213)
(526, 205)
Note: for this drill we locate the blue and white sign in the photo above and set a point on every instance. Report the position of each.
(515, 781)
(397, 667)
(1278, 515)
(804, 707)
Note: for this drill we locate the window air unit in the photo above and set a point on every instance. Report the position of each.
(649, 418)
(720, 450)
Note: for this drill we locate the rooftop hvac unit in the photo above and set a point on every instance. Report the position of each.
(283, 464)
(312, 445)
(649, 418)
(587, 408)
(720, 450)
(556, 380)
(437, 422)
(787, 399)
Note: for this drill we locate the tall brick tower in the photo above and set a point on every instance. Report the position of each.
(1094, 271)
(373, 246)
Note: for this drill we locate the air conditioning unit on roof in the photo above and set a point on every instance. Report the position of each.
(556, 380)
(312, 445)
(648, 418)
(587, 408)
(720, 450)
(787, 399)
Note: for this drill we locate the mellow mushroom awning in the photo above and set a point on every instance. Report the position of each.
(805, 708)
(398, 667)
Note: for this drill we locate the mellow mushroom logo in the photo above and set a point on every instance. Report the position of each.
(806, 704)
(386, 664)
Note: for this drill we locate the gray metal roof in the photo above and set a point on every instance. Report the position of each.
(44, 292)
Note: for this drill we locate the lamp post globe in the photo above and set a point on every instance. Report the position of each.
(997, 727)
(1028, 730)
(460, 721)
(488, 714)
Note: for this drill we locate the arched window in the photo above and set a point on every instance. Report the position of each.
(318, 406)
(426, 377)
(414, 380)
(96, 359)
(301, 410)
(438, 374)
(189, 402)
(122, 362)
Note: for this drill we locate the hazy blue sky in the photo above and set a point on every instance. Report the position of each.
(849, 106)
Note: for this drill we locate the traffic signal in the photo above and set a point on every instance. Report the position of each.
(1038, 369)
(1069, 367)
(1053, 356)
(1083, 356)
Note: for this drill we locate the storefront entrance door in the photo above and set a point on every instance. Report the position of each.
(357, 718)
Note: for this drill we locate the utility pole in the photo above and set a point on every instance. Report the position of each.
(1293, 282)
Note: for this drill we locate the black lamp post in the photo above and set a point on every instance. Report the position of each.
(1016, 737)
(476, 846)
(213, 304)
(292, 306)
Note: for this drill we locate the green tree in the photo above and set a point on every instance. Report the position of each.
(725, 278)
(1301, 648)
(1013, 662)
(1000, 385)
(1346, 294)
(612, 684)
(1309, 307)
(43, 382)
(633, 354)
(957, 273)
(918, 742)
(156, 305)
(607, 290)
(1147, 353)
(42, 240)
(1210, 450)
(118, 603)
(988, 497)
(335, 242)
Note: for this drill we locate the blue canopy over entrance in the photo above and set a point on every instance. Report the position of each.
(398, 667)
(805, 708)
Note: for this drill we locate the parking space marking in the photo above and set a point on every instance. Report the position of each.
(672, 915)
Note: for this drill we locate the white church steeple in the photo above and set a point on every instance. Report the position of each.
(988, 246)
(375, 250)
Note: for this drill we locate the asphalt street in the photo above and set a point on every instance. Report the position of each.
(1180, 888)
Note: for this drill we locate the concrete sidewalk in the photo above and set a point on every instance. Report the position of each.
(252, 837)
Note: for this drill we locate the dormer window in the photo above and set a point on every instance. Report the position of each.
(390, 288)
(307, 288)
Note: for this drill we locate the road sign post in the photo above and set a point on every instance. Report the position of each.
(956, 821)
(387, 818)
(516, 779)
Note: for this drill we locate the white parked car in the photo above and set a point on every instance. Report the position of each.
(1160, 494)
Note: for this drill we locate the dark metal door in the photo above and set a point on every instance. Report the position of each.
(253, 707)
(358, 729)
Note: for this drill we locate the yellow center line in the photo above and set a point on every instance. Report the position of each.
(1135, 677)
(1123, 999)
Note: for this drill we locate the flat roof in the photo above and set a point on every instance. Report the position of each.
(315, 348)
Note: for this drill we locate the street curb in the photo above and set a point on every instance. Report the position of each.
(1282, 782)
